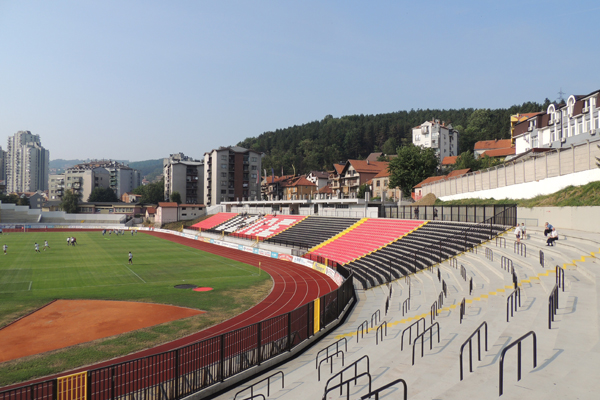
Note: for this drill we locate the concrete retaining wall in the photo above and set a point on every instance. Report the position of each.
(577, 218)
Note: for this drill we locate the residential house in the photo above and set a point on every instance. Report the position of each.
(298, 188)
(131, 198)
(435, 134)
(334, 180)
(484, 146)
(357, 173)
(380, 188)
(319, 178)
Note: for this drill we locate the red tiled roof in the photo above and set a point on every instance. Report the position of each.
(429, 180)
(368, 167)
(458, 172)
(301, 181)
(338, 168)
(382, 174)
(169, 204)
(499, 152)
(325, 189)
(449, 160)
(151, 210)
(493, 144)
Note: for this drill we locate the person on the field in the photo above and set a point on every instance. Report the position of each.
(130, 258)
(73, 240)
(46, 245)
(68, 241)
(37, 248)
(5, 247)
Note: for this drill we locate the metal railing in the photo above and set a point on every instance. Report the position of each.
(500, 240)
(347, 382)
(470, 286)
(376, 316)
(520, 249)
(380, 330)
(405, 306)
(560, 277)
(327, 359)
(326, 349)
(512, 300)
(460, 357)
(489, 254)
(552, 305)
(268, 379)
(384, 387)
(434, 311)
(409, 329)
(506, 264)
(444, 288)
(453, 262)
(422, 336)
(463, 309)
(463, 272)
(361, 328)
(502, 214)
(517, 343)
(542, 260)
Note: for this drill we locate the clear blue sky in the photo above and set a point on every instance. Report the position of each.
(142, 79)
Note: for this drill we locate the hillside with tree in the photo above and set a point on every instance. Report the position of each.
(319, 144)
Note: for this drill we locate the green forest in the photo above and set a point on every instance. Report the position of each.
(318, 145)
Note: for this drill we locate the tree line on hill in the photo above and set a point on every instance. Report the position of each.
(318, 145)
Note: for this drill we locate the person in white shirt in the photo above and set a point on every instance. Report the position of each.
(553, 237)
(518, 233)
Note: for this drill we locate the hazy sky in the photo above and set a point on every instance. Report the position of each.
(142, 79)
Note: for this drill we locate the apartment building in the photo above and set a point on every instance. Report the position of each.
(435, 134)
(26, 163)
(561, 125)
(380, 187)
(184, 175)
(2, 165)
(231, 174)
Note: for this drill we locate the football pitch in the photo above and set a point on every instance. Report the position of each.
(97, 268)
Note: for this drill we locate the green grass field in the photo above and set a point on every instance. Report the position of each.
(97, 268)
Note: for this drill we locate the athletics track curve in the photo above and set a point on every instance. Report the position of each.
(294, 285)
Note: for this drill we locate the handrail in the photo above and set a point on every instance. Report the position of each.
(330, 364)
(463, 309)
(406, 305)
(515, 279)
(521, 249)
(268, 379)
(377, 332)
(478, 332)
(489, 254)
(506, 264)
(362, 330)
(560, 277)
(441, 299)
(542, 260)
(356, 376)
(471, 286)
(381, 389)
(430, 330)
(512, 298)
(453, 262)
(517, 342)
(377, 316)
(444, 288)
(326, 349)
(463, 272)
(502, 240)
(347, 383)
(552, 305)
(409, 329)
(256, 396)
(434, 311)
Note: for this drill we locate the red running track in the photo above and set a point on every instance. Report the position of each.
(293, 286)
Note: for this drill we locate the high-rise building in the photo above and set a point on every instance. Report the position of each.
(185, 176)
(231, 173)
(26, 163)
(2, 165)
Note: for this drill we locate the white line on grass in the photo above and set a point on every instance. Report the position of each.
(135, 274)
(30, 283)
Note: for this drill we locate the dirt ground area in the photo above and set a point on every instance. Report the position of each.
(65, 323)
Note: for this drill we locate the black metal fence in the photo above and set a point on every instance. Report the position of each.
(504, 214)
(178, 373)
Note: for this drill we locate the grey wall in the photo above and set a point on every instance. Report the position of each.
(577, 218)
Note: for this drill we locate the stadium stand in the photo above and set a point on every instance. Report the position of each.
(362, 238)
(455, 361)
(419, 249)
(269, 225)
(213, 221)
(240, 221)
(311, 231)
(18, 217)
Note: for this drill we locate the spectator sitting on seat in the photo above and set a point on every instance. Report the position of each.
(523, 231)
(518, 233)
(552, 238)
(547, 229)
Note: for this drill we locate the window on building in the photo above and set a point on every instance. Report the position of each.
(223, 191)
(223, 174)
(385, 183)
(254, 167)
(224, 157)
(223, 183)
(253, 176)
(378, 183)
(254, 159)
(223, 166)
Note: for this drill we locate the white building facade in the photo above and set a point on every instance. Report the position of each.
(433, 134)
(26, 163)
(560, 125)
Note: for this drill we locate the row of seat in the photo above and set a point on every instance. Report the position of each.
(269, 226)
(312, 231)
(426, 246)
(213, 221)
